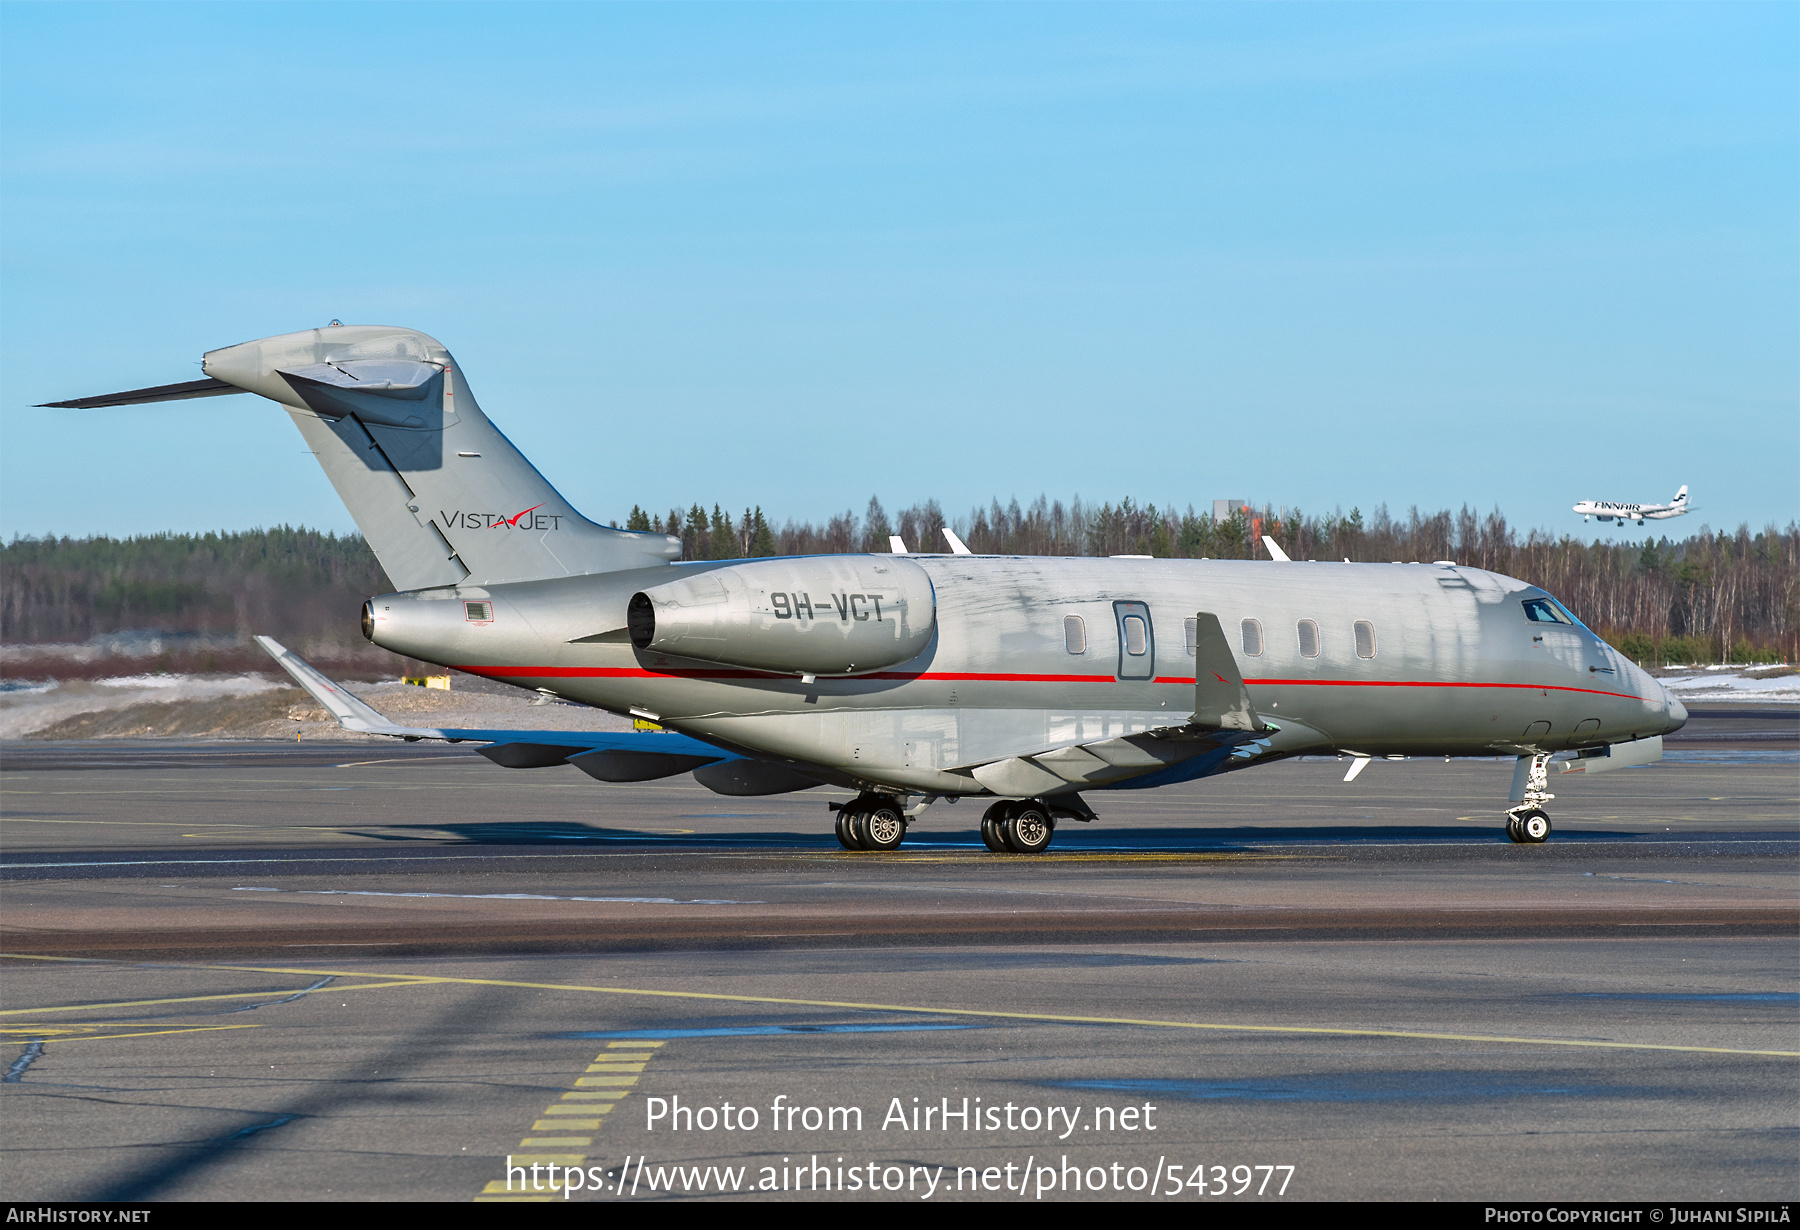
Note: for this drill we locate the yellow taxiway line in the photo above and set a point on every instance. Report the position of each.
(982, 1013)
(66, 1033)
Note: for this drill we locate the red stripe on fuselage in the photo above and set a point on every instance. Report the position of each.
(632, 672)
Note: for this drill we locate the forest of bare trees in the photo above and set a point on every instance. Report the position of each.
(1708, 597)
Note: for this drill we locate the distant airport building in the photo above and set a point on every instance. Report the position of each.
(1222, 509)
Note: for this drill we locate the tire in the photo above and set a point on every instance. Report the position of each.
(992, 824)
(1534, 828)
(842, 828)
(881, 827)
(1028, 829)
(1512, 830)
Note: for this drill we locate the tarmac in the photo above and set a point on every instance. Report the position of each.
(310, 971)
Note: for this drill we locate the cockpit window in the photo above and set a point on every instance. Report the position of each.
(1545, 611)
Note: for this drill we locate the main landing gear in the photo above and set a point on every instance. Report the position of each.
(871, 822)
(1017, 827)
(1527, 823)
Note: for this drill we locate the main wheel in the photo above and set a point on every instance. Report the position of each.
(992, 826)
(1512, 829)
(1534, 828)
(842, 828)
(1028, 829)
(881, 827)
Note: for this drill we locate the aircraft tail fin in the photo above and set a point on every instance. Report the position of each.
(439, 493)
(1680, 496)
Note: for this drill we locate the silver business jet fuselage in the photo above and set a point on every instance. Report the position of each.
(911, 677)
(1028, 685)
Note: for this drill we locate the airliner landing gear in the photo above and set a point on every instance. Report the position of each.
(1527, 823)
(871, 822)
(1017, 827)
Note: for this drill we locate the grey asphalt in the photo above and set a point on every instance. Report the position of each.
(249, 973)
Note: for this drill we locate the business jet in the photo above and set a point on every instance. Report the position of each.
(908, 677)
(1606, 510)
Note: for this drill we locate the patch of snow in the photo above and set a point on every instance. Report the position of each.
(23, 711)
(1708, 684)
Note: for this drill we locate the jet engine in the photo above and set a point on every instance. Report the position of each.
(816, 615)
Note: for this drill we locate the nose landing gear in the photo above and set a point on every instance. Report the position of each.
(1527, 823)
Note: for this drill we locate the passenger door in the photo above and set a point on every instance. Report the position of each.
(1137, 641)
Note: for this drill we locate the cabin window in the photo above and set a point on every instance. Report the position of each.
(1309, 639)
(1137, 637)
(478, 612)
(1074, 634)
(1365, 639)
(1190, 633)
(1252, 630)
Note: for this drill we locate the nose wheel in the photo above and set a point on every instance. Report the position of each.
(1529, 828)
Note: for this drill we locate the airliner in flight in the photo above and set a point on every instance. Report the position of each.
(1606, 510)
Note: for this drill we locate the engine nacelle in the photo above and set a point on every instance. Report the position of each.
(814, 615)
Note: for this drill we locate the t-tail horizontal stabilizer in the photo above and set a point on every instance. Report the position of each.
(614, 756)
(142, 397)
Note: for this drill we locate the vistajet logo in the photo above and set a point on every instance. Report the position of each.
(530, 519)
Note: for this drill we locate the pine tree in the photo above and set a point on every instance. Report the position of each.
(875, 527)
(762, 538)
(724, 539)
(694, 540)
(638, 520)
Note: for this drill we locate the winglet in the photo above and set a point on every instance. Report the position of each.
(351, 713)
(896, 544)
(1221, 702)
(1275, 551)
(956, 544)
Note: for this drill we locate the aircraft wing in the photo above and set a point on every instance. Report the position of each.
(1224, 721)
(614, 756)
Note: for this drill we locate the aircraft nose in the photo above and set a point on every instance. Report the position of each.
(1678, 714)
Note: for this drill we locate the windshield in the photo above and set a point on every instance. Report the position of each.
(1550, 611)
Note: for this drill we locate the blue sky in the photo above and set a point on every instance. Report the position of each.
(796, 255)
